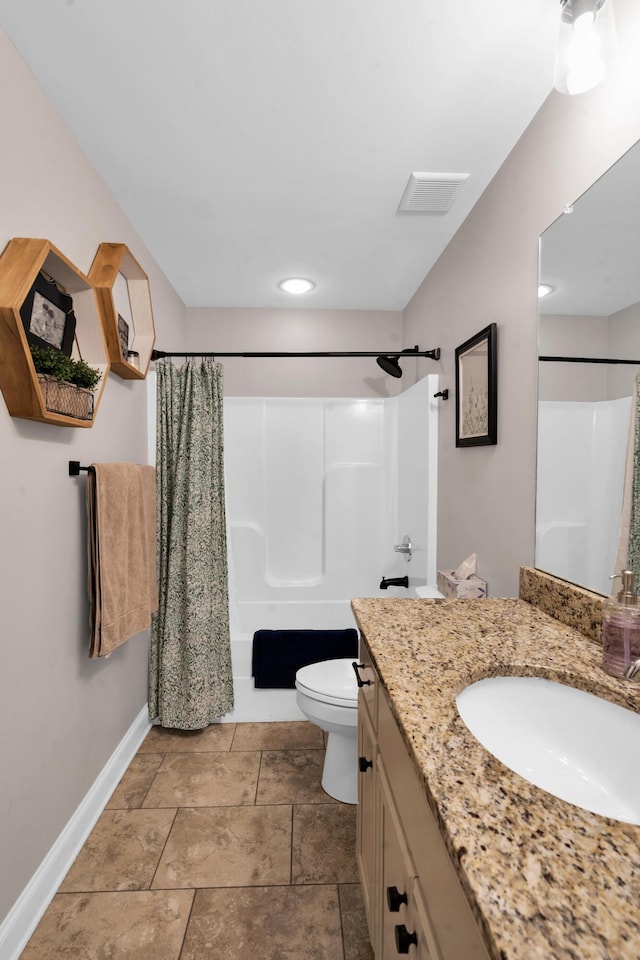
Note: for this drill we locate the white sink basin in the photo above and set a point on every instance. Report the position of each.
(575, 745)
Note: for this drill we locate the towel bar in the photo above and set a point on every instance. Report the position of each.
(75, 468)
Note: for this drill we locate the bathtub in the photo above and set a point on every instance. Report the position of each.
(319, 491)
(247, 616)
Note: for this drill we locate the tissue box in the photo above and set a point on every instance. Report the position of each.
(470, 589)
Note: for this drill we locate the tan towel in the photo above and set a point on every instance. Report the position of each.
(123, 586)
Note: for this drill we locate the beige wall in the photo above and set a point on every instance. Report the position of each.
(624, 341)
(617, 336)
(234, 330)
(572, 336)
(489, 273)
(62, 715)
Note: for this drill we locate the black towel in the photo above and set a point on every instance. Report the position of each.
(279, 654)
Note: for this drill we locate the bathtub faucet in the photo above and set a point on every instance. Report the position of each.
(394, 582)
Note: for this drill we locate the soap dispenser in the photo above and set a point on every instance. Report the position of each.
(621, 627)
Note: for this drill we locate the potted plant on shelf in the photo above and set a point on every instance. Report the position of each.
(67, 385)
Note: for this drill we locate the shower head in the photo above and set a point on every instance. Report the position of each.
(390, 365)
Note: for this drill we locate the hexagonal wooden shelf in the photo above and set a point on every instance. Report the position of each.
(122, 288)
(20, 264)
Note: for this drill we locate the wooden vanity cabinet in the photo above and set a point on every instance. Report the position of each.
(413, 899)
(367, 813)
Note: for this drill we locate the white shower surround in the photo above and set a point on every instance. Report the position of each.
(318, 493)
(581, 460)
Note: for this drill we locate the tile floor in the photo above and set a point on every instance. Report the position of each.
(216, 845)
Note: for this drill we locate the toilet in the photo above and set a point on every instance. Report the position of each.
(327, 694)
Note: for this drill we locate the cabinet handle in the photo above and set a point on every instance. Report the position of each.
(364, 764)
(395, 899)
(404, 939)
(359, 680)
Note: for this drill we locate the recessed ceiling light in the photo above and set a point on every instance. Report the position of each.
(544, 289)
(296, 285)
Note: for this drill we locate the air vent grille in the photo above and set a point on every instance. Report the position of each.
(431, 192)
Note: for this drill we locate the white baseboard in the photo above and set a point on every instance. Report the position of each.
(25, 914)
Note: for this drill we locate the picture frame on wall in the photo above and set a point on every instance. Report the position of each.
(47, 315)
(123, 336)
(477, 389)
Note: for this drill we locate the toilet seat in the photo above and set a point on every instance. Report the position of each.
(331, 681)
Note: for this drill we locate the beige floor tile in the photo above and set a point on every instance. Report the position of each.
(355, 933)
(217, 736)
(105, 908)
(133, 787)
(265, 923)
(145, 925)
(227, 847)
(292, 776)
(324, 843)
(121, 852)
(205, 780)
(290, 735)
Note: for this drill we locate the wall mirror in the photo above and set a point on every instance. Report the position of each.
(590, 258)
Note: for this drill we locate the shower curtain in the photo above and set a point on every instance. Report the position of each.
(633, 561)
(190, 678)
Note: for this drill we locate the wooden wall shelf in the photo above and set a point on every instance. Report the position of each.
(122, 286)
(20, 265)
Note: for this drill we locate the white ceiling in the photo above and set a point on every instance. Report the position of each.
(249, 140)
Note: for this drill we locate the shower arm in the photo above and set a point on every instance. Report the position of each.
(412, 352)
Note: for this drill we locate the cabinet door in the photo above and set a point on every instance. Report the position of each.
(366, 843)
(397, 874)
(456, 932)
(421, 926)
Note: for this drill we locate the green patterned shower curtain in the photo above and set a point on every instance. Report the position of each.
(634, 510)
(190, 679)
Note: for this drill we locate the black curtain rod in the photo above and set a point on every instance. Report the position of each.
(635, 363)
(415, 352)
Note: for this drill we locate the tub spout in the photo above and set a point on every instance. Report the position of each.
(394, 582)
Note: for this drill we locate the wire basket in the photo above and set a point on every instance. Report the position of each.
(66, 398)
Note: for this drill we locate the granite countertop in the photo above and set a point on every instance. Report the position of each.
(545, 879)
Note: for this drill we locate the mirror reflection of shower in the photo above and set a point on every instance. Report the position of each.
(589, 259)
(582, 450)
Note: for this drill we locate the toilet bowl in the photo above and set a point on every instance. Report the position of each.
(327, 694)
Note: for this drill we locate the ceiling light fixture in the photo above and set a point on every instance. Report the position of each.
(296, 285)
(544, 289)
(586, 44)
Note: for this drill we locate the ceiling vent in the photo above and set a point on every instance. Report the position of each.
(431, 192)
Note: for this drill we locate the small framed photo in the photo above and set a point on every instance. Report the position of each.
(477, 390)
(123, 335)
(47, 316)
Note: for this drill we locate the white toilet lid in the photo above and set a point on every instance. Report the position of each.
(333, 681)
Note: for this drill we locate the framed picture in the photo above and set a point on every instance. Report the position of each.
(123, 334)
(477, 390)
(47, 316)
